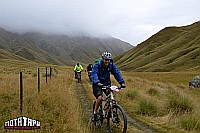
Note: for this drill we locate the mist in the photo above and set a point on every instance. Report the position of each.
(132, 21)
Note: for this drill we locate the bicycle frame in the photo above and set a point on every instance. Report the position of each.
(113, 112)
(78, 75)
(110, 98)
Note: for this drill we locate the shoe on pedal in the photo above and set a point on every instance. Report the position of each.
(94, 118)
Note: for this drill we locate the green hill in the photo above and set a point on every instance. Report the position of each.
(171, 49)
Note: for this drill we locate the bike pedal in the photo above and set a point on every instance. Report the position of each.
(98, 125)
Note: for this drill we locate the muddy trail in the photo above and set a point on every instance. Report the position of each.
(134, 125)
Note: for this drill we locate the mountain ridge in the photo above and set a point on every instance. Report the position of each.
(59, 49)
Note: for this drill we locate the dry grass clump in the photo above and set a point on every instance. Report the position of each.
(153, 91)
(190, 122)
(178, 103)
(147, 107)
(131, 94)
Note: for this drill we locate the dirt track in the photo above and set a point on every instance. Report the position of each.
(134, 125)
(86, 104)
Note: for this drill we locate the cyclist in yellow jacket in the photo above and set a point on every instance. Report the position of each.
(77, 67)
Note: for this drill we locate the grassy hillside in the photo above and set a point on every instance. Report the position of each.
(171, 49)
(19, 46)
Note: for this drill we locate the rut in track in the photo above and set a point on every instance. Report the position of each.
(140, 125)
(87, 112)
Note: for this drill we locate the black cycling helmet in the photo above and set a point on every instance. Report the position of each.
(107, 55)
(78, 64)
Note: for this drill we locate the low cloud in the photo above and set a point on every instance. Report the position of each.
(132, 21)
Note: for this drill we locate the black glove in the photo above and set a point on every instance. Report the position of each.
(100, 84)
(123, 85)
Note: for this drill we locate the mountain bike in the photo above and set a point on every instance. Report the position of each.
(112, 111)
(78, 76)
(89, 75)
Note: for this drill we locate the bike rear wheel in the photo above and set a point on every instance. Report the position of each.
(119, 121)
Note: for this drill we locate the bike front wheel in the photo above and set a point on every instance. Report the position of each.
(116, 120)
(79, 78)
(99, 121)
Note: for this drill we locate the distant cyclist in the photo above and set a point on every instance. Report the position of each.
(77, 67)
(89, 70)
(89, 67)
(101, 77)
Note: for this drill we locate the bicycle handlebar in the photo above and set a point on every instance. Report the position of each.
(108, 87)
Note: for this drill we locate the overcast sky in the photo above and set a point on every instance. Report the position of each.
(132, 21)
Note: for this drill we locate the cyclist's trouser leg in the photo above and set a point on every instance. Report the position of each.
(96, 91)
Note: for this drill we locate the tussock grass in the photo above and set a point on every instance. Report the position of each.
(147, 107)
(190, 122)
(178, 103)
(153, 91)
(131, 94)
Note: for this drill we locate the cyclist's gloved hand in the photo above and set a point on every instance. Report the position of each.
(123, 85)
(100, 84)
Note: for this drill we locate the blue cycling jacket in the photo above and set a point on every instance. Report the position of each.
(100, 74)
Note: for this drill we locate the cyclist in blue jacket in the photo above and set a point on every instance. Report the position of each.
(101, 77)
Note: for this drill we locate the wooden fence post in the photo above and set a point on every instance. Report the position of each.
(38, 80)
(50, 72)
(46, 74)
(21, 93)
